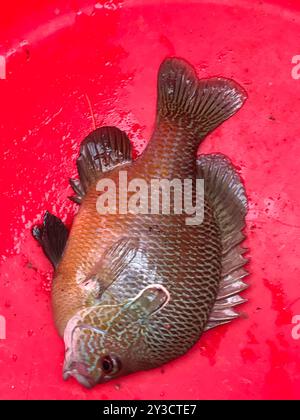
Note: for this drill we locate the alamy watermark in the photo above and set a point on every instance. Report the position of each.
(295, 73)
(296, 328)
(2, 327)
(159, 196)
(2, 67)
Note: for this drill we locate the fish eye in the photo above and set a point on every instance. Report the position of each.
(107, 364)
(110, 365)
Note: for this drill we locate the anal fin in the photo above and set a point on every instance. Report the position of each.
(77, 188)
(102, 150)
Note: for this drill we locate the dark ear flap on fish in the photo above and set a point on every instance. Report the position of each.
(102, 150)
(198, 105)
(149, 301)
(52, 236)
(226, 193)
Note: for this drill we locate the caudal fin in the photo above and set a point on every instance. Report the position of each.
(191, 103)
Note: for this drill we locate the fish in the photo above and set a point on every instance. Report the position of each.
(133, 291)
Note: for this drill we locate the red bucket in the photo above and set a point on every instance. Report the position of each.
(62, 66)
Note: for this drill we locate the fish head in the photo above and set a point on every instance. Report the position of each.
(92, 355)
(108, 341)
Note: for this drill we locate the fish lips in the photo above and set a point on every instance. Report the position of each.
(78, 371)
(72, 366)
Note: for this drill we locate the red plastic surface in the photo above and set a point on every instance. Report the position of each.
(60, 58)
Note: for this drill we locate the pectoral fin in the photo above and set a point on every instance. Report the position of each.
(111, 265)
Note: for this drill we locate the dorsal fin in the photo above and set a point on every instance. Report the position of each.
(226, 193)
(102, 150)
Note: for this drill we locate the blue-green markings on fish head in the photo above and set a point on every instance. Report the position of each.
(108, 341)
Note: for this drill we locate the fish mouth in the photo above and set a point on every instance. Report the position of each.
(78, 371)
(73, 366)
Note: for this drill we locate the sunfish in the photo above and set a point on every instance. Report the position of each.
(131, 290)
